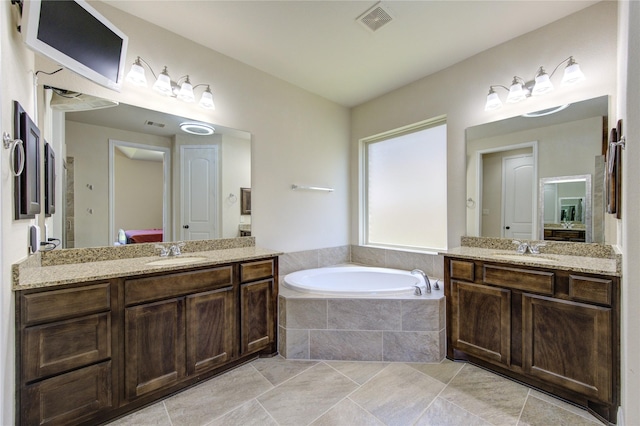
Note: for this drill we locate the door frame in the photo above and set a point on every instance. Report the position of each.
(166, 175)
(479, 181)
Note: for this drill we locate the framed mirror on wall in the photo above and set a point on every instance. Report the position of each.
(27, 183)
(87, 124)
(570, 142)
(245, 201)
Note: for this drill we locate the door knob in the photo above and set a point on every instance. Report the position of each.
(185, 226)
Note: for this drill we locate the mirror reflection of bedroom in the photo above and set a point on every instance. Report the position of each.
(138, 194)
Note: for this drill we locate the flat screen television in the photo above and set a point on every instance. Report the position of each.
(78, 37)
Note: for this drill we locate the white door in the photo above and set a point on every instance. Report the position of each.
(518, 196)
(199, 189)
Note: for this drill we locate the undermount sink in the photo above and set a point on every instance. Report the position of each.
(523, 257)
(178, 260)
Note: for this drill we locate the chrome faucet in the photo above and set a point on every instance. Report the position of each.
(524, 247)
(172, 250)
(427, 287)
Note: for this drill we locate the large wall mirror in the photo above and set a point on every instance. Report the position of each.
(134, 175)
(509, 161)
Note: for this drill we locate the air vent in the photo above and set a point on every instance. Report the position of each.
(154, 124)
(376, 17)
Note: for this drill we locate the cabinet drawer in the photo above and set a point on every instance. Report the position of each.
(69, 398)
(174, 285)
(589, 289)
(59, 304)
(62, 346)
(462, 270)
(256, 270)
(520, 279)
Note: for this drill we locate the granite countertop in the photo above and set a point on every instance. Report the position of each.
(29, 277)
(585, 258)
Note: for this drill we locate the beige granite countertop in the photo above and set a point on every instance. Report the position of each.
(36, 276)
(578, 257)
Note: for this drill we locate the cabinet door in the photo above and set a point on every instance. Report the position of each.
(257, 315)
(210, 329)
(569, 344)
(154, 346)
(70, 398)
(481, 321)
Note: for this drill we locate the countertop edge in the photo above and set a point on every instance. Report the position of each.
(40, 277)
(561, 262)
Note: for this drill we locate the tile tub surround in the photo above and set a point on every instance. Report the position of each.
(395, 328)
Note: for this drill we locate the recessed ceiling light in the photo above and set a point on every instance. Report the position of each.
(197, 129)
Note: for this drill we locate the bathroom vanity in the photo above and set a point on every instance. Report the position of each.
(89, 350)
(551, 321)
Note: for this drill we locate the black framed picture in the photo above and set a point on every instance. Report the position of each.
(245, 200)
(27, 183)
(49, 180)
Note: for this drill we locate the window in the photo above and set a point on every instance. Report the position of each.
(404, 188)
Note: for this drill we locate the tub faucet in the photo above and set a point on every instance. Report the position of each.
(419, 289)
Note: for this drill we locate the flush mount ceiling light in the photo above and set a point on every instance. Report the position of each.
(541, 84)
(199, 129)
(182, 89)
(547, 111)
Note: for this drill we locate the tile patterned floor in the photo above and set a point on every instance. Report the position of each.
(275, 391)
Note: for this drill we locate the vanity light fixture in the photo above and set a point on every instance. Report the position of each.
(182, 89)
(541, 84)
(199, 129)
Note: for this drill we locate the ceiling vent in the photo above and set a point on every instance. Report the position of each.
(376, 17)
(154, 124)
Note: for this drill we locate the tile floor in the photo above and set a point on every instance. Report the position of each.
(276, 391)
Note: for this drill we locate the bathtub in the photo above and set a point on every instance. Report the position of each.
(358, 313)
(353, 281)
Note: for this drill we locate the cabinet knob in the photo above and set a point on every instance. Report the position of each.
(185, 226)
(507, 227)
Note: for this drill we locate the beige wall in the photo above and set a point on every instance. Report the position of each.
(89, 146)
(236, 174)
(460, 92)
(138, 193)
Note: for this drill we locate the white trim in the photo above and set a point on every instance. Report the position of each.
(166, 175)
(478, 189)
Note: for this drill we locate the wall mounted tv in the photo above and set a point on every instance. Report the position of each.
(78, 37)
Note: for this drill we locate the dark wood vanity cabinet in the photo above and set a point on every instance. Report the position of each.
(90, 352)
(176, 325)
(553, 329)
(64, 354)
(258, 307)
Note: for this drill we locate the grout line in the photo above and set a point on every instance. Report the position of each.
(267, 411)
(166, 410)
